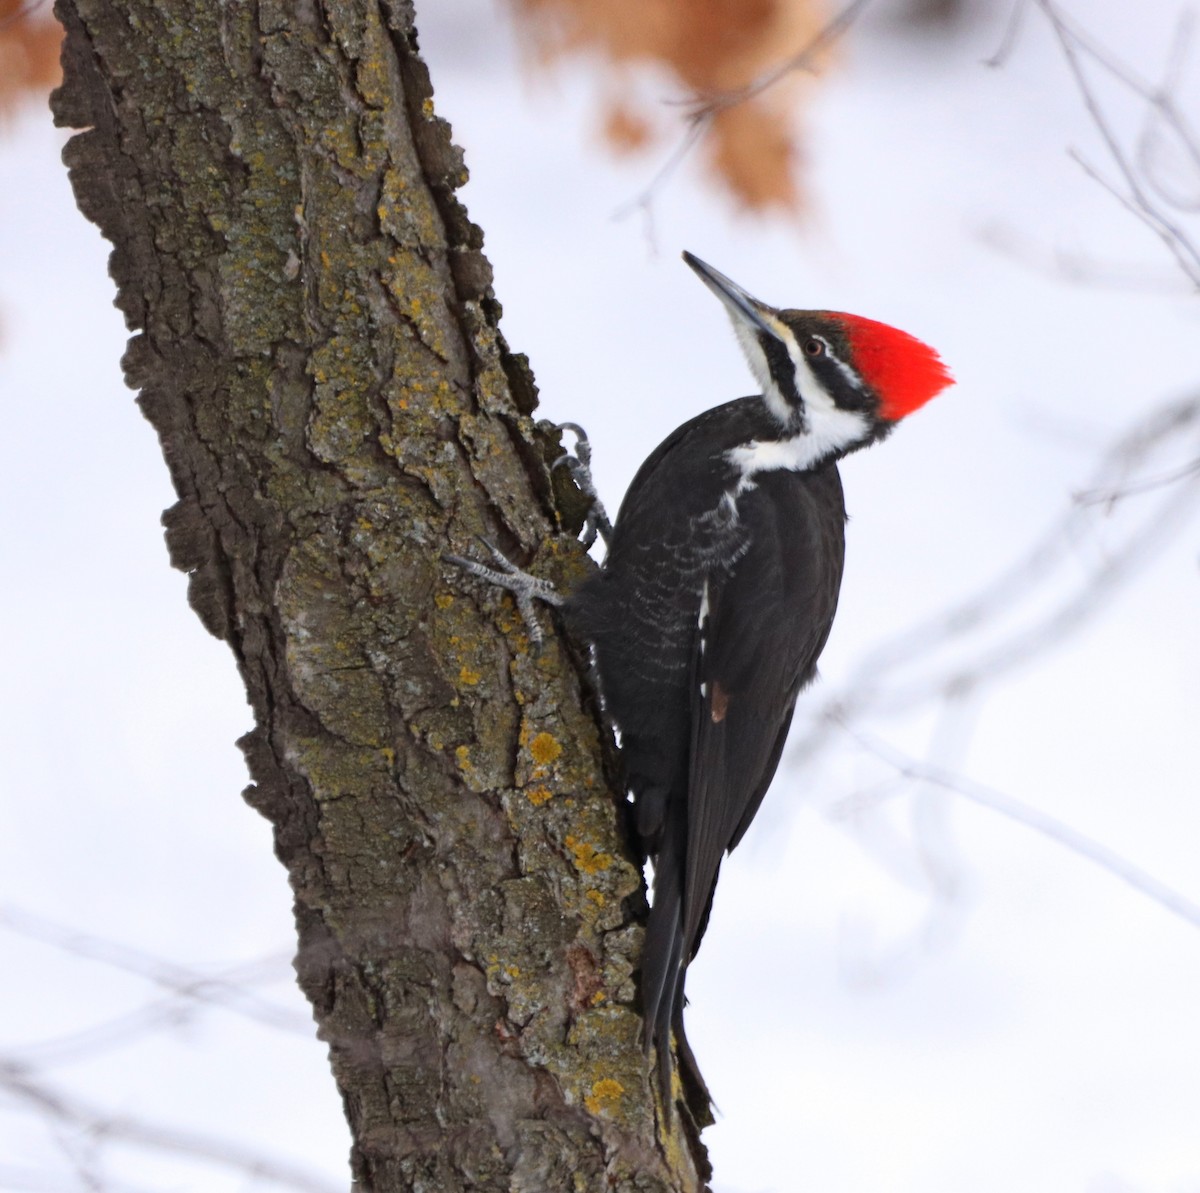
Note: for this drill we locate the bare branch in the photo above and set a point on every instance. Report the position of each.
(39, 1180)
(1081, 269)
(879, 685)
(1109, 497)
(1074, 43)
(16, 1082)
(1022, 813)
(227, 989)
(950, 668)
(1137, 205)
(703, 109)
(803, 60)
(1008, 40)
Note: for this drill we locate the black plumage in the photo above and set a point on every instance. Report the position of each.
(716, 599)
(704, 704)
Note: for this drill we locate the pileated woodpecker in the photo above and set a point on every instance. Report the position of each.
(715, 601)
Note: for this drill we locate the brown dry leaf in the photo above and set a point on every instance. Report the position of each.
(754, 151)
(30, 38)
(624, 129)
(713, 47)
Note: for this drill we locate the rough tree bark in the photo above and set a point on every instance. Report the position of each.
(317, 346)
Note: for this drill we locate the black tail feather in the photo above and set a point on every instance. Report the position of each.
(661, 957)
(664, 1018)
(664, 966)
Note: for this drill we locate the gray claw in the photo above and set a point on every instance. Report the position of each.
(579, 465)
(526, 589)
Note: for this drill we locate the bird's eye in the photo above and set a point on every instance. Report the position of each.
(814, 347)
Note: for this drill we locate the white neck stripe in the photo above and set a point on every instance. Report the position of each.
(830, 434)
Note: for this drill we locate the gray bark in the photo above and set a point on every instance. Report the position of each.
(316, 344)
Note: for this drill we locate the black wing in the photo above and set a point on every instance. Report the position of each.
(767, 622)
(702, 729)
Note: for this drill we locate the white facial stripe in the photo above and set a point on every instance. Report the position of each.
(851, 374)
(830, 432)
(814, 395)
(816, 398)
(747, 336)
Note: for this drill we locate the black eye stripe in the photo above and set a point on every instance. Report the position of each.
(844, 394)
(781, 366)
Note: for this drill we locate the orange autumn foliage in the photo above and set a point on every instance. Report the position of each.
(29, 42)
(713, 48)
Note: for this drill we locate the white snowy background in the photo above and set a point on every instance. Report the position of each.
(899, 991)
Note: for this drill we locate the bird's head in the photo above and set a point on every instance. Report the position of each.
(841, 378)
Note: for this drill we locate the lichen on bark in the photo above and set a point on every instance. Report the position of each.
(316, 342)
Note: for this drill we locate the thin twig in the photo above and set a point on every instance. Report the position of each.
(1041, 822)
(940, 651)
(802, 60)
(1008, 39)
(1110, 496)
(703, 109)
(1134, 197)
(17, 1083)
(227, 989)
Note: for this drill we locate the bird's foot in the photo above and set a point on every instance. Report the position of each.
(579, 464)
(526, 589)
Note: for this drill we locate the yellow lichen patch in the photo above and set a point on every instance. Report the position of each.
(605, 1096)
(389, 755)
(443, 600)
(587, 858)
(372, 75)
(462, 755)
(598, 897)
(544, 749)
(537, 796)
(469, 676)
(598, 998)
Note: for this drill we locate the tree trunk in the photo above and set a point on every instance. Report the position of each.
(316, 345)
